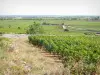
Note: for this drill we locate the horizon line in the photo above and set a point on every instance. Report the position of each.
(42, 15)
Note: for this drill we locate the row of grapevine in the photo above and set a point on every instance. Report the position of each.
(72, 49)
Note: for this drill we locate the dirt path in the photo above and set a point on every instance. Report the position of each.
(25, 59)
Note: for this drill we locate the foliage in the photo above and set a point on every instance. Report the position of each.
(9, 26)
(19, 28)
(81, 50)
(35, 29)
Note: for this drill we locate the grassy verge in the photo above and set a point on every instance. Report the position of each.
(4, 42)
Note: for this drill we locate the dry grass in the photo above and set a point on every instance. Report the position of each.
(25, 59)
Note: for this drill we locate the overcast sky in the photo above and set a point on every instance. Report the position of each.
(49, 7)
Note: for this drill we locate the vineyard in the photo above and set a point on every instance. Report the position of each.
(80, 54)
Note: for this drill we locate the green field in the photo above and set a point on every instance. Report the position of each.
(75, 27)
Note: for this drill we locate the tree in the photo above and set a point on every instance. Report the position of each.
(9, 26)
(35, 28)
(19, 28)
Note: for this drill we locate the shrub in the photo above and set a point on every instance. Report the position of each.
(35, 28)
